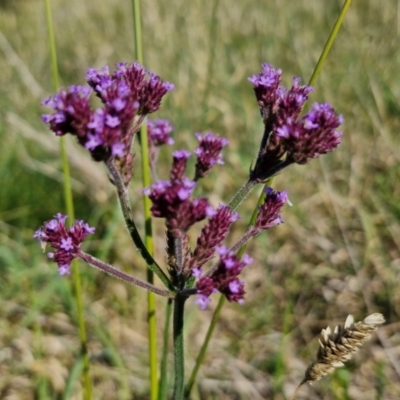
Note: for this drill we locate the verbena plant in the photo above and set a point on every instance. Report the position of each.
(129, 95)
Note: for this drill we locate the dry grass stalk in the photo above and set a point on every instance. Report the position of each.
(338, 346)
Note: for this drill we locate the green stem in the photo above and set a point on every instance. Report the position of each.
(151, 303)
(122, 192)
(203, 350)
(77, 286)
(179, 357)
(241, 194)
(117, 273)
(163, 387)
(329, 43)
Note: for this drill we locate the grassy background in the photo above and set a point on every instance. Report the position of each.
(337, 253)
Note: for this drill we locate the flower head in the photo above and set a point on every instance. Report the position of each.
(208, 153)
(266, 86)
(269, 212)
(213, 234)
(159, 131)
(286, 132)
(171, 200)
(224, 279)
(65, 241)
(128, 93)
(313, 135)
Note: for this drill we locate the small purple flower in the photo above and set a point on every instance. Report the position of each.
(266, 87)
(212, 235)
(202, 301)
(171, 200)
(112, 122)
(66, 242)
(224, 279)
(291, 102)
(179, 164)
(64, 269)
(153, 91)
(107, 132)
(159, 131)
(269, 212)
(285, 132)
(208, 153)
(72, 111)
(313, 135)
(197, 272)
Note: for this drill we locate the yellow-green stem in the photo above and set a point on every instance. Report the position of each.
(151, 303)
(329, 43)
(77, 287)
(163, 386)
(221, 302)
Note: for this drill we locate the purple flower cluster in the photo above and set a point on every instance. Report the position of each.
(159, 131)
(208, 153)
(312, 135)
(65, 241)
(172, 201)
(128, 95)
(300, 138)
(267, 87)
(224, 279)
(269, 212)
(212, 235)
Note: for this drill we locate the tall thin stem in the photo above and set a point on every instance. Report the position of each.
(146, 174)
(68, 199)
(204, 347)
(329, 43)
(163, 388)
(123, 198)
(179, 357)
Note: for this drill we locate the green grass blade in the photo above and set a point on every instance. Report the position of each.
(151, 303)
(70, 210)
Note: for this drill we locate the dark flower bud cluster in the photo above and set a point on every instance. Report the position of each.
(224, 278)
(128, 95)
(300, 138)
(311, 136)
(269, 212)
(172, 201)
(212, 235)
(65, 241)
(267, 87)
(208, 153)
(159, 131)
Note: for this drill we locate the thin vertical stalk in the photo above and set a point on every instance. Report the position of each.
(77, 286)
(329, 43)
(204, 347)
(146, 174)
(179, 355)
(163, 388)
(246, 190)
